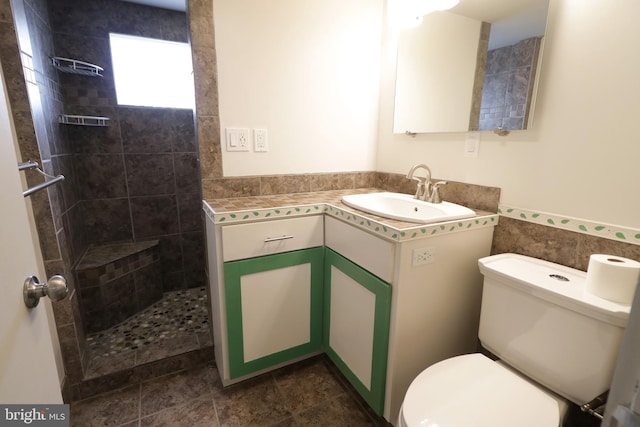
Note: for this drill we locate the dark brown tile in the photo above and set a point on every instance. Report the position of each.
(334, 181)
(154, 216)
(101, 176)
(100, 365)
(107, 220)
(174, 389)
(307, 384)
(282, 184)
(538, 241)
(167, 348)
(150, 174)
(209, 145)
(111, 409)
(144, 130)
(338, 411)
(187, 173)
(254, 402)
(190, 208)
(197, 413)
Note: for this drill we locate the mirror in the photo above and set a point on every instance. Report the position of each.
(471, 68)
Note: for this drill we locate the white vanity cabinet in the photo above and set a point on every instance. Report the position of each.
(267, 297)
(334, 281)
(357, 306)
(434, 307)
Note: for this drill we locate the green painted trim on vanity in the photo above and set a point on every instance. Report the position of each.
(233, 272)
(382, 291)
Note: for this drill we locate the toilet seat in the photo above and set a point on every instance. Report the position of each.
(473, 390)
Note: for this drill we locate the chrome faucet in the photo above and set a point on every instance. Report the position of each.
(424, 184)
(426, 191)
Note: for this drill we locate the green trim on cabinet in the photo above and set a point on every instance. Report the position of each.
(382, 291)
(233, 272)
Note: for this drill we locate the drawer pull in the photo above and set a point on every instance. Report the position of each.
(275, 239)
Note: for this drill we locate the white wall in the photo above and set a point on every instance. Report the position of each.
(306, 70)
(582, 156)
(436, 99)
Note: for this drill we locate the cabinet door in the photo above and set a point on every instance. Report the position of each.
(357, 306)
(274, 309)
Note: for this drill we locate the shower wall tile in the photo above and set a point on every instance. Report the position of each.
(73, 217)
(148, 285)
(73, 240)
(99, 17)
(508, 85)
(189, 207)
(187, 169)
(154, 216)
(69, 191)
(95, 140)
(107, 220)
(173, 26)
(101, 175)
(145, 130)
(182, 130)
(192, 247)
(150, 174)
(171, 254)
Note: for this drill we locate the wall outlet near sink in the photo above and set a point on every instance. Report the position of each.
(422, 256)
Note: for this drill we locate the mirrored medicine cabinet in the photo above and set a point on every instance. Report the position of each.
(471, 68)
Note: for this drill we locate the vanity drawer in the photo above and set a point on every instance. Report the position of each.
(368, 251)
(271, 237)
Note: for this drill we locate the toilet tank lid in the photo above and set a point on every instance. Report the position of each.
(558, 284)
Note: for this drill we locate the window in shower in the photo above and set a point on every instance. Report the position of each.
(151, 72)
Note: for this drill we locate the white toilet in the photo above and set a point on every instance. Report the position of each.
(555, 341)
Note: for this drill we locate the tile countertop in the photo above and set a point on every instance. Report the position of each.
(254, 208)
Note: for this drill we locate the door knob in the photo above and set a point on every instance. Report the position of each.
(55, 288)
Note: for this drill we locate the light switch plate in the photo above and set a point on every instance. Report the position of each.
(237, 139)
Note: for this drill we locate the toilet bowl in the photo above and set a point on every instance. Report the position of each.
(557, 344)
(473, 390)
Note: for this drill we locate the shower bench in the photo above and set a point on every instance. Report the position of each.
(115, 281)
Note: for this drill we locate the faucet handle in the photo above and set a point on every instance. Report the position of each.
(434, 197)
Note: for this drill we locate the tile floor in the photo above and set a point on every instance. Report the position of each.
(308, 393)
(176, 324)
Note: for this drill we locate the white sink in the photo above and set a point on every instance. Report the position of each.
(405, 207)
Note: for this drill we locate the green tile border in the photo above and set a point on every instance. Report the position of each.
(578, 225)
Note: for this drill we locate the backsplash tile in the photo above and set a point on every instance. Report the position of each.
(556, 245)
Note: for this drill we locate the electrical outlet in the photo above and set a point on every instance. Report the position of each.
(472, 144)
(260, 140)
(423, 256)
(237, 139)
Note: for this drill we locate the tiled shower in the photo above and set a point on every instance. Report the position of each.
(130, 203)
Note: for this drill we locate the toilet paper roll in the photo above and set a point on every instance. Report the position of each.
(613, 278)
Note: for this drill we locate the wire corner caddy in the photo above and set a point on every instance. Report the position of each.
(73, 66)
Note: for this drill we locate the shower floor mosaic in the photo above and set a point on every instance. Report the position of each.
(178, 323)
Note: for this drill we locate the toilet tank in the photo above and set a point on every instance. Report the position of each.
(538, 317)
